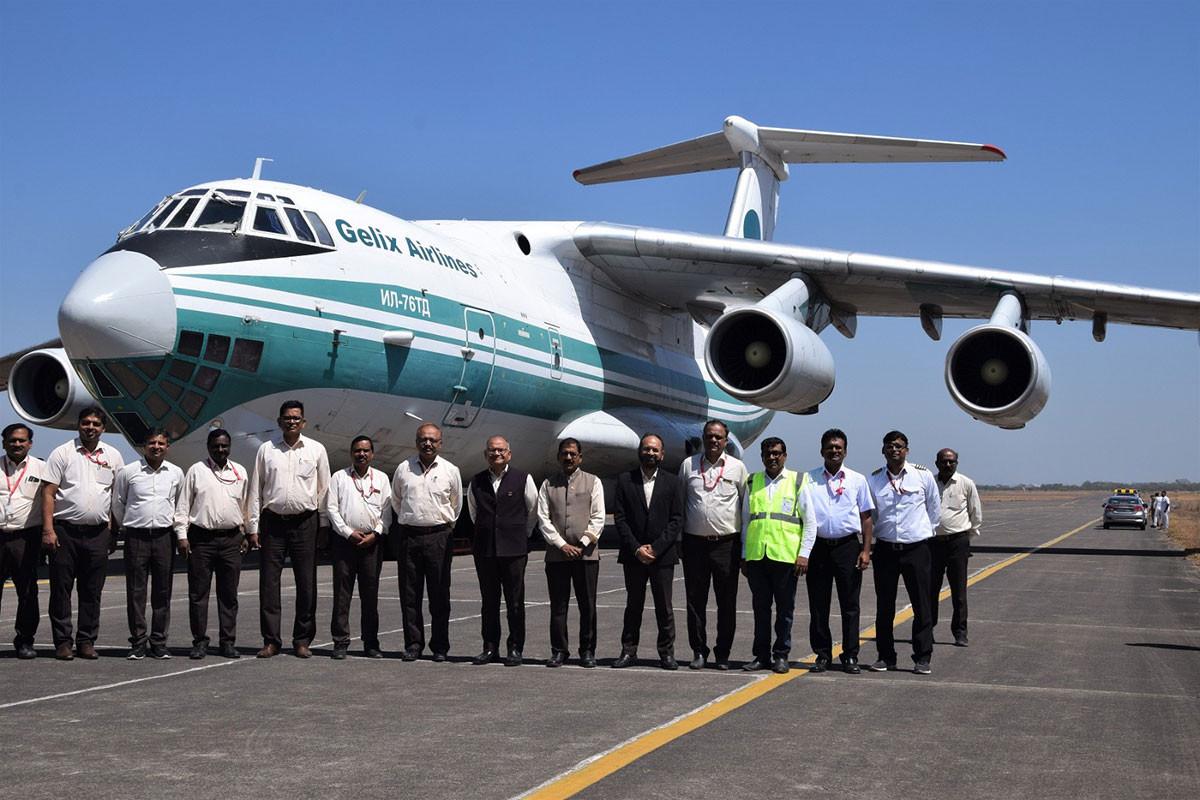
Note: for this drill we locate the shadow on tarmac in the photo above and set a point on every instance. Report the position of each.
(1160, 646)
(1080, 551)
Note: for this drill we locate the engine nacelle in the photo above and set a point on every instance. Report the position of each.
(44, 389)
(998, 375)
(769, 358)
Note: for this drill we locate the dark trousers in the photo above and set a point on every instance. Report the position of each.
(294, 536)
(19, 552)
(214, 553)
(834, 561)
(948, 556)
(363, 564)
(497, 575)
(149, 559)
(772, 582)
(661, 580)
(706, 562)
(560, 577)
(911, 562)
(424, 561)
(80, 561)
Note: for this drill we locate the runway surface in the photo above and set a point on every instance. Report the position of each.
(1082, 680)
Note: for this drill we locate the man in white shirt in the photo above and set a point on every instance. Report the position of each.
(1162, 510)
(20, 531)
(962, 515)
(209, 522)
(77, 531)
(144, 498)
(570, 514)
(291, 476)
(842, 510)
(713, 483)
(427, 499)
(359, 508)
(907, 509)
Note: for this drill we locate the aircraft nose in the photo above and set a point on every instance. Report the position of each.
(121, 306)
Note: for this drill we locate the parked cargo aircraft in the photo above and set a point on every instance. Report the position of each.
(230, 296)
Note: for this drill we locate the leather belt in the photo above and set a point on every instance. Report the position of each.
(196, 529)
(84, 530)
(900, 547)
(715, 537)
(830, 541)
(297, 517)
(424, 530)
(146, 531)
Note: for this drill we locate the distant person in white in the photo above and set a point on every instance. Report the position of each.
(1162, 510)
(20, 531)
(144, 498)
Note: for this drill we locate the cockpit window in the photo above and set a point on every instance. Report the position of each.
(137, 225)
(221, 213)
(287, 200)
(319, 227)
(262, 196)
(266, 219)
(162, 215)
(298, 224)
(184, 213)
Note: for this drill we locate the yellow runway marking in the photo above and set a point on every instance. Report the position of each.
(595, 769)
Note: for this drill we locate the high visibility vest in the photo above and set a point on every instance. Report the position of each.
(776, 523)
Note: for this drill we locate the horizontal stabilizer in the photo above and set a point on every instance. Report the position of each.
(788, 145)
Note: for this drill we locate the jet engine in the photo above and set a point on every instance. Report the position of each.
(44, 389)
(763, 355)
(997, 374)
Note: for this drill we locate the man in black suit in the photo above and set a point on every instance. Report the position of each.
(649, 519)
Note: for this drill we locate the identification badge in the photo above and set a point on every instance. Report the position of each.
(788, 506)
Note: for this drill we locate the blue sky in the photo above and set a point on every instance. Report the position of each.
(454, 110)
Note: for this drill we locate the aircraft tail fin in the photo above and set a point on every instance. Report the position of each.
(762, 155)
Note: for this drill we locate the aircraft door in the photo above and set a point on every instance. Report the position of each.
(556, 352)
(479, 360)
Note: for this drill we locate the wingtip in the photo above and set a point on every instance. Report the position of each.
(991, 148)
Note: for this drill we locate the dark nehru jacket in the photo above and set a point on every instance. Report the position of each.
(501, 521)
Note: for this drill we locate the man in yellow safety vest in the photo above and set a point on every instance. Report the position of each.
(775, 548)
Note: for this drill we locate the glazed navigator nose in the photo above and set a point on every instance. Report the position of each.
(121, 306)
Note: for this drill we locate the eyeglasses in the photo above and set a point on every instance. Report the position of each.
(290, 420)
(895, 446)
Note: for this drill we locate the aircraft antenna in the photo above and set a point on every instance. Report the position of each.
(258, 162)
(360, 197)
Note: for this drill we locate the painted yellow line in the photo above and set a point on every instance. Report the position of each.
(596, 769)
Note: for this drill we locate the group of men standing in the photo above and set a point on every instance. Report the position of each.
(827, 525)
(1158, 510)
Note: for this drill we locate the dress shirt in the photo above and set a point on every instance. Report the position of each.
(358, 504)
(212, 497)
(287, 480)
(961, 510)
(648, 483)
(838, 501)
(19, 508)
(595, 516)
(907, 506)
(713, 495)
(802, 506)
(531, 496)
(145, 497)
(426, 496)
(84, 481)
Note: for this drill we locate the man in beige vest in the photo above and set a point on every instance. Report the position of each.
(570, 513)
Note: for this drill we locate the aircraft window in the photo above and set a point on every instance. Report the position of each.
(206, 378)
(133, 425)
(191, 404)
(181, 370)
(176, 426)
(156, 405)
(172, 390)
(265, 219)
(127, 378)
(150, 368)
(270, 197)
(287, 200)
(246, 354)
(138, 225)
(234, 193)
(104, 384)
(193, 193)
(319, 226)
(184, 213)
(218, 349)
(166, 212)
(190, 342)
(221, 213)
(299, 225)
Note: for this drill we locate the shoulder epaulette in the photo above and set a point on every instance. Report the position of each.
(918, 466)
(876, 472)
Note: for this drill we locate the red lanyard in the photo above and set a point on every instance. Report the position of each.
(358, 484)
(17, 483)
(95, 458)
(898, 488)
(841, 481)
(217, 475)
(704, 476)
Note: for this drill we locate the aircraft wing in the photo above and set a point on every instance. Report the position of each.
(7, 362)
(710, 273)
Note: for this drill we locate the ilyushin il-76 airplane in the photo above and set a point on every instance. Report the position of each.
(228, 297)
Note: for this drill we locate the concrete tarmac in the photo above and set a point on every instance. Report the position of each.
(1082, 680)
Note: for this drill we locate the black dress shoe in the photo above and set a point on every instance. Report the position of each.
(339, 653)
(411, 654)
(26, 651)
(850, 666)
(698, 662)
(229, 651)
(960, 641)
(513, 659)
(780, 666)
(439, 658)
(486, 657)
(625, 660)
(198, 652)
(755, 664)
(668, 662)
(557, 660)
(372, 652)
(722, 664)
(820, 665)
(587, 659)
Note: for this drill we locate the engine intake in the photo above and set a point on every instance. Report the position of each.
(44, 389)
(998, 375)
(769, 358)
